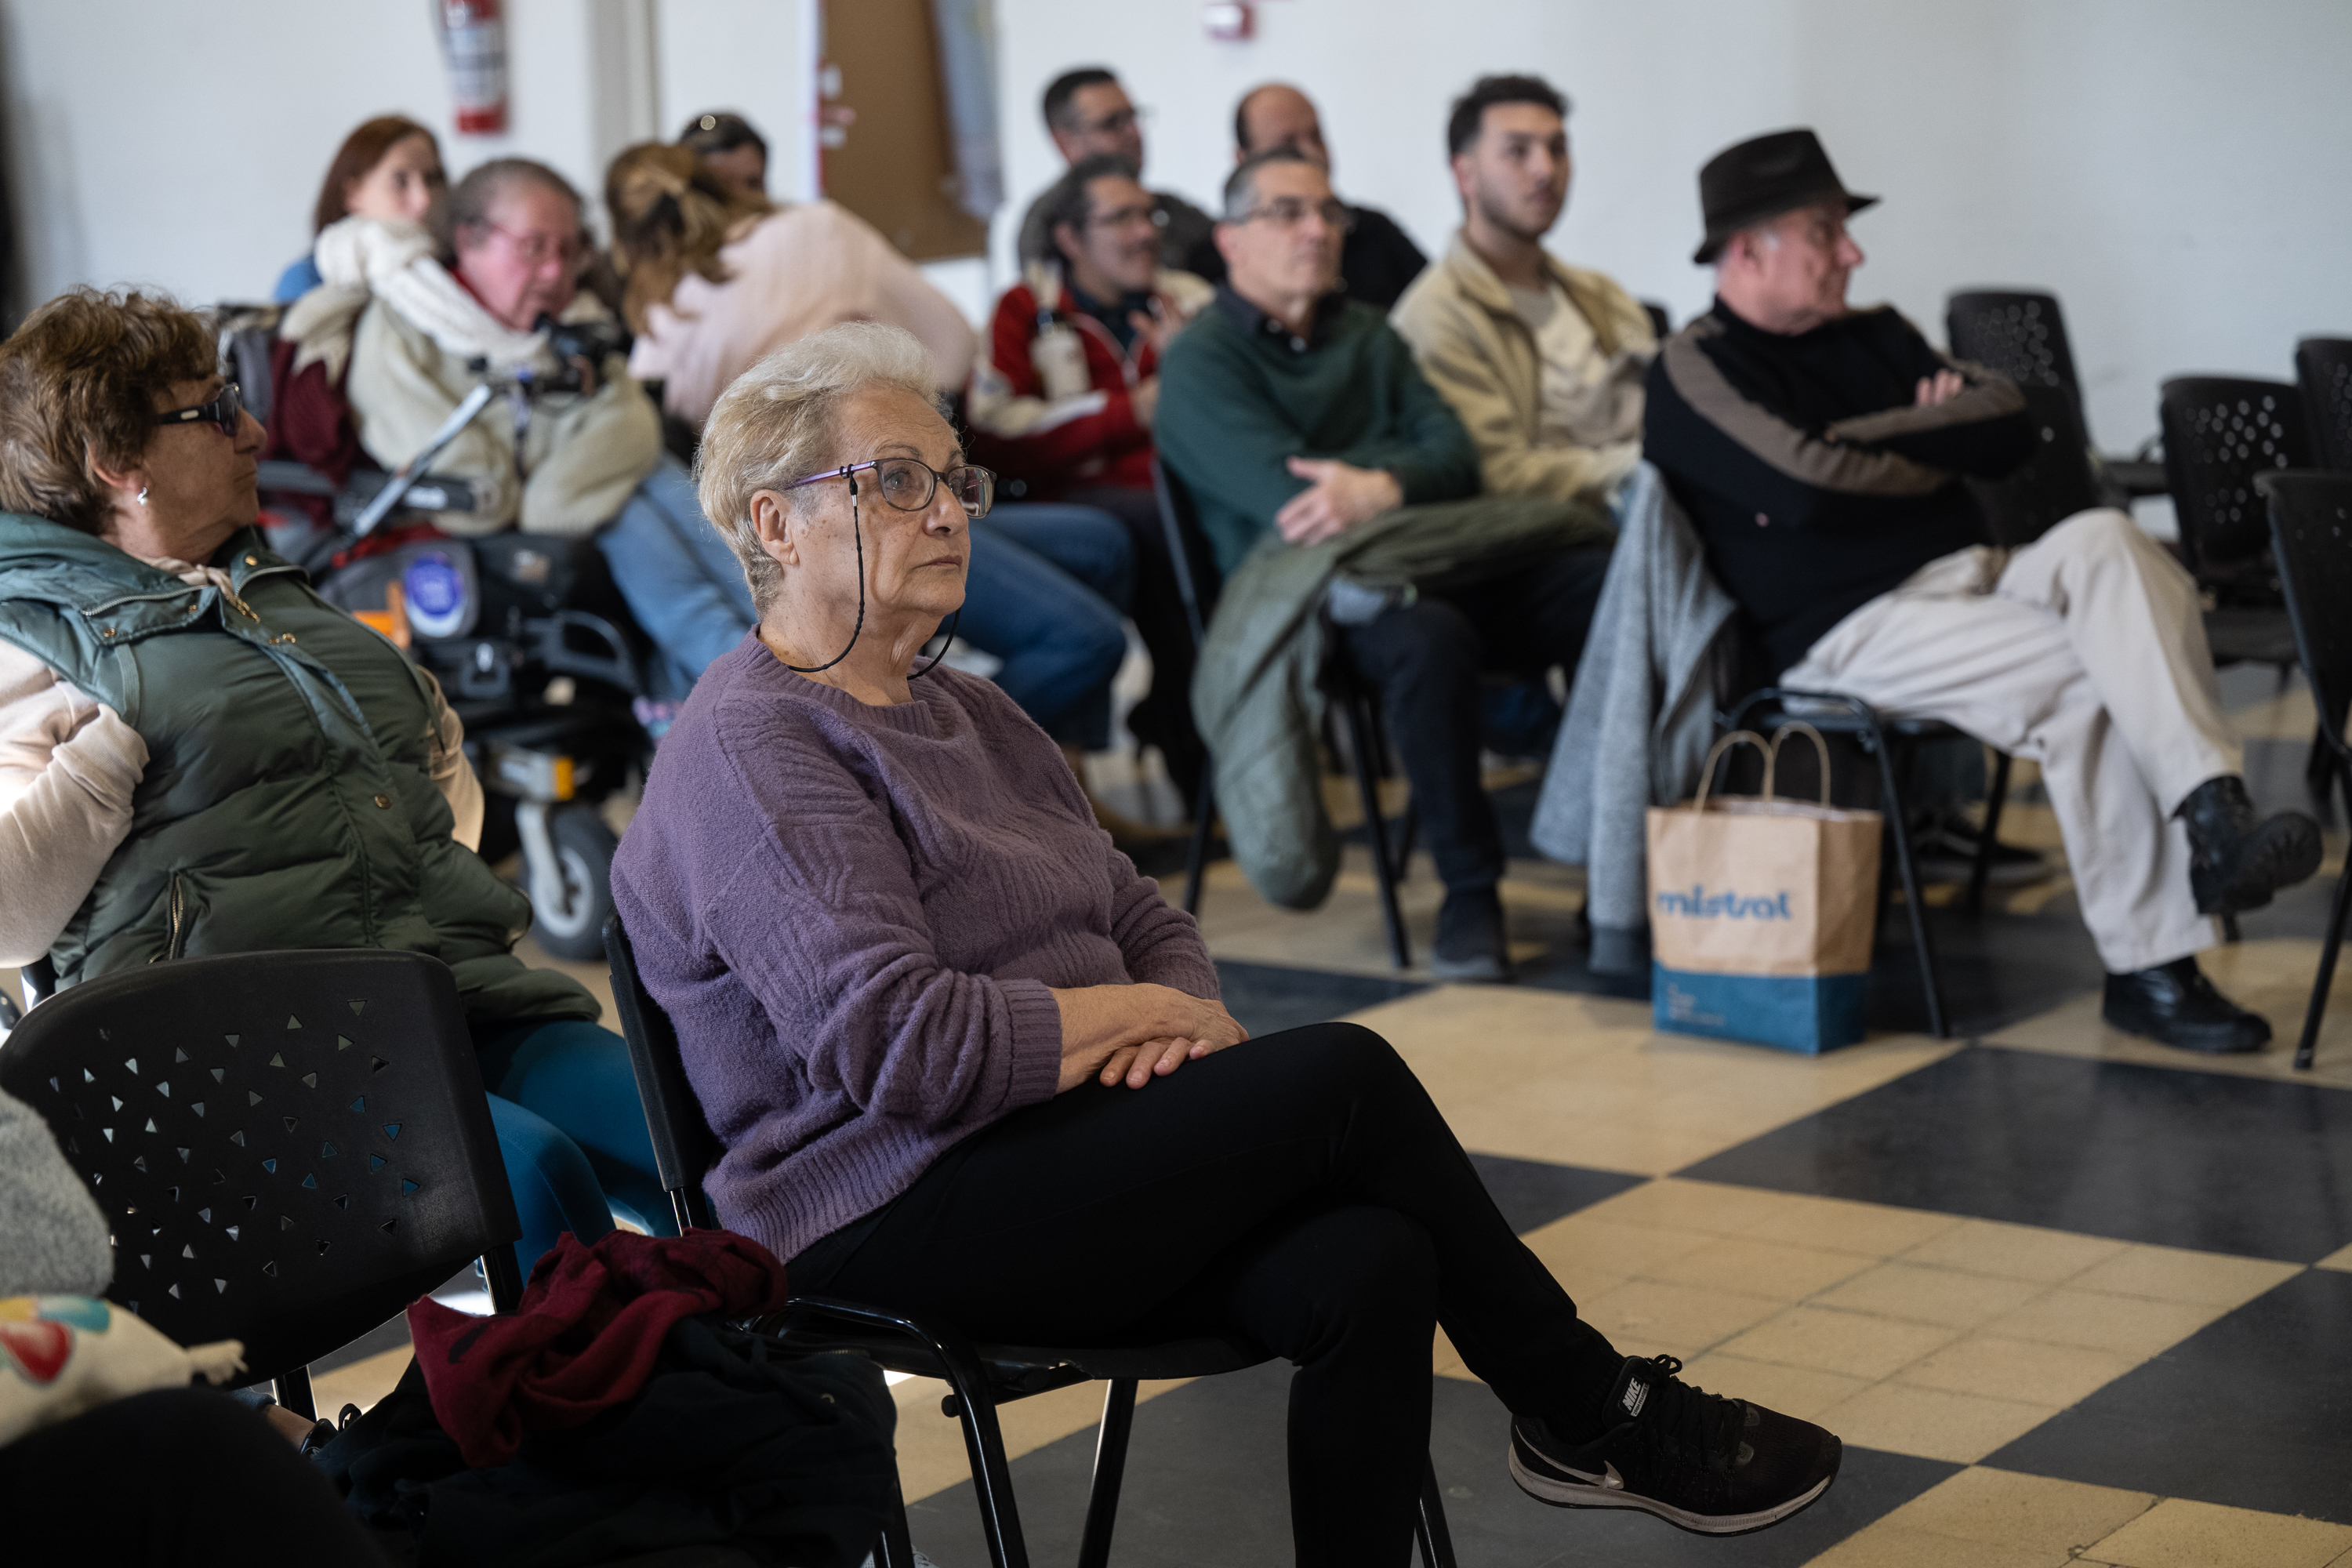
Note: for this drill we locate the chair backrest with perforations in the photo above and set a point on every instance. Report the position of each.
(684, 1146)
(2311, 532)
(290, 1147)
(2324, 367)
(2022, 335)
(2220, 432)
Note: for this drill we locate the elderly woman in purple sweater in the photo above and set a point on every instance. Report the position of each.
(965, 1059)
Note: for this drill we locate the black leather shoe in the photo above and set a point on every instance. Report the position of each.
(2174, 1004)
(1470, 943)
(2239, 860)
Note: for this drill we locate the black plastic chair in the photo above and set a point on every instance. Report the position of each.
(1891, 743)
(1358, 706)
(982, 1376)
(2219, 433)
(290, 1147)
(2311, 533)
(2023, 336)
(2055, 484)
(2323, 368)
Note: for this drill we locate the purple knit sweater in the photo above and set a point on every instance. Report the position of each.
(852, 914)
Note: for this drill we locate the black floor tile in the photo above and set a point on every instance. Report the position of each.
(2138, 1154)
(1533, 1193)
(1206, 1489)
(1269, 997)
(2255, 1411)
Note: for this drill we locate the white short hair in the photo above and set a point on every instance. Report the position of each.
(775, 423)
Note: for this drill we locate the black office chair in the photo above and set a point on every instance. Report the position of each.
(290, 1147)
(2023, 336)
(1358, 706)
(2311, 535)
(980, 1376)
(1892, 742)
(2323, 368)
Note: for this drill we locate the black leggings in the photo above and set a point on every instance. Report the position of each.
(182, 1475)
(1300, 1189)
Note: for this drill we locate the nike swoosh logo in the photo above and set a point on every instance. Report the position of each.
(1608, 1481)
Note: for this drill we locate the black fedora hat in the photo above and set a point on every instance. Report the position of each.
(1763, 177)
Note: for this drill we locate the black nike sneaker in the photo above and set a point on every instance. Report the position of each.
(1699, 1461)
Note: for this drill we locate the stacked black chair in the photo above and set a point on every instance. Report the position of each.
(980, 1376)
(290, 1147)
(2023, 336)
(1358, 706)
(2219, 434)
(2311, 534)
(2323, 368)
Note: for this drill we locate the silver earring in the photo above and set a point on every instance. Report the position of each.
(142, 495)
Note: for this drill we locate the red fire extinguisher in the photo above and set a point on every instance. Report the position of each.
(474, 42)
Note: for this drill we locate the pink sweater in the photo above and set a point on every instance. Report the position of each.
(853, 914)
(801, 269)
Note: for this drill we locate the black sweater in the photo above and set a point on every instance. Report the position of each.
(1814, 482)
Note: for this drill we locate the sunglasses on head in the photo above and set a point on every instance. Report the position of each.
(226, 410)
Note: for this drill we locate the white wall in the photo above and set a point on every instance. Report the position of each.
(156, 142)
(2175, 170)
(2172, 168)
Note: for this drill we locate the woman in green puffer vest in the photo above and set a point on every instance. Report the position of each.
(200, 755)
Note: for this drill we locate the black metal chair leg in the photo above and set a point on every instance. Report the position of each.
(1110, 1469)
(1367, 787)
(1429, 1522)
(1900, 824)
(1989, 834)
(895, 1548)
(2328, 949)
(503, 1278)
(983, 1441)
(1196, 856)
(292, 1389)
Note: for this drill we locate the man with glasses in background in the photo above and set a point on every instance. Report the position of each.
(574, 451)
(1063, 399)
(1088, 112)
(1378, 259)
(1295, 416)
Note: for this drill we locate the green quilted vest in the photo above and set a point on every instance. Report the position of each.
(288, 800)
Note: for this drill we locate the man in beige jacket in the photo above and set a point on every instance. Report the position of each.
(1542, 361)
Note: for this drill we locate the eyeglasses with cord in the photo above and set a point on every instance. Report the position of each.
(225, 409)
(908, 484)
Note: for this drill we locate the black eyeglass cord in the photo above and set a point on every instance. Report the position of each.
(857, 538)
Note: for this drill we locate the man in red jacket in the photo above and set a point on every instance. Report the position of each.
(1061, 405)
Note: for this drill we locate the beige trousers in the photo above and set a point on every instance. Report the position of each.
(2084, 651)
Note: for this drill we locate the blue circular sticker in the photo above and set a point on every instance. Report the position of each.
(437, 595)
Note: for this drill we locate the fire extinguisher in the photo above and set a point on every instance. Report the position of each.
(474, 42)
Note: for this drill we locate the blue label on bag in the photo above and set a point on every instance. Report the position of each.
(1700, 904)
(1807, 1012)
(437, 595)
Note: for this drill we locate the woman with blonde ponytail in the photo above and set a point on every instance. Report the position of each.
(715, 281)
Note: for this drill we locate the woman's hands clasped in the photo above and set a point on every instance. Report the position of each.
(1133, 1034)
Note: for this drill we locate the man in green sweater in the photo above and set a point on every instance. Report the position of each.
(1292, 415)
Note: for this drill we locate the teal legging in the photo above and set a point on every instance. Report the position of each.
(570, 1130)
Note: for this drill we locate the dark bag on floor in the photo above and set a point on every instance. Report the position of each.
(784, 1460)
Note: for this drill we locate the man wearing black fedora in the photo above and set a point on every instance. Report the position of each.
(1821, 451)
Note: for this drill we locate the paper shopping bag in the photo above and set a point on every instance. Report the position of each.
(1761, 911)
